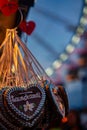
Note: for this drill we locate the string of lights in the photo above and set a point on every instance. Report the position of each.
(75, 40)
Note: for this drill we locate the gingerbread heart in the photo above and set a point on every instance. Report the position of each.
(56, 100)
(25, 103)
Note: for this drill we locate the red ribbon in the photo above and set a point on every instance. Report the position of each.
(27, 27)
(8, 7)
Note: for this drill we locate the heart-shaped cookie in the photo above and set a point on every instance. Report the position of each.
(26, 104)
(6, 125)
(56, 99)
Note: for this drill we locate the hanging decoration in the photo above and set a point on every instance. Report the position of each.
(27, 27)
(25, 88)
(27, 92)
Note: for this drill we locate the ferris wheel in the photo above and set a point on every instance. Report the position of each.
(59, 29)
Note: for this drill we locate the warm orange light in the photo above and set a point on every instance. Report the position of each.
(64, 119)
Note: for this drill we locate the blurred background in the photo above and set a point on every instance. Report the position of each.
(59, 43)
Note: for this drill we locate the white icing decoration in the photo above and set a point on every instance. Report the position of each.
(28, 106)
(25, 97)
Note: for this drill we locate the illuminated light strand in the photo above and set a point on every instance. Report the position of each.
(71, 46)
(49, 71)
(56, 64)
(64, 56)
(75, 39)
(83, 20)
(80, 30)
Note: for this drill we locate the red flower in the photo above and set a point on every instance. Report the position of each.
(27, 27)
(8, 7)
